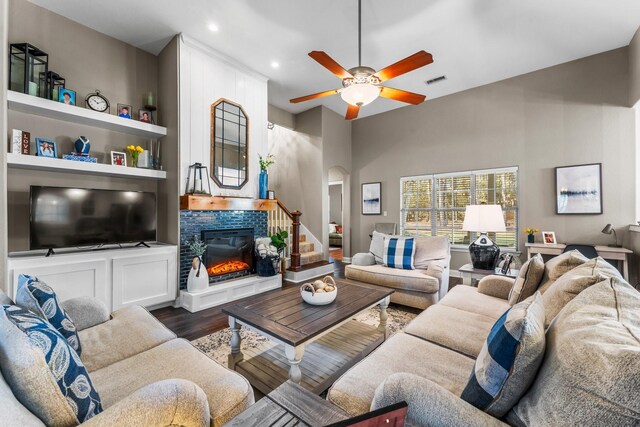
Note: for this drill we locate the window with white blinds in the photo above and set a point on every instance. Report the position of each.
(434, 205)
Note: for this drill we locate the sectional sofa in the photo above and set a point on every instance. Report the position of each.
(588, 375)
(143, 373)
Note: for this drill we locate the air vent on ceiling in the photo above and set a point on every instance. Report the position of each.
(435, 80)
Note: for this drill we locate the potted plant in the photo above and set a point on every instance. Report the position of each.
(265, 162)
(198, 279)
(531, 234)
(279, 241)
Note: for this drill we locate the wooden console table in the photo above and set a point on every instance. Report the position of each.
(621, 255)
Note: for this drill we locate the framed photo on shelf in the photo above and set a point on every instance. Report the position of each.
(549, 237)
(372, 198)
(144, 116)
(118, 158)
(67, 96)
(124, 111)
(46, 148)
(579, 189)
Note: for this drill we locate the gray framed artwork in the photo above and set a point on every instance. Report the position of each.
(372, 198)
(579, 189)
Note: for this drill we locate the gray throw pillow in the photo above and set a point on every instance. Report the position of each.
(589, 376)
(557, 266)
(509, 360)
(574, 282)
(377, 246)
(528, 280)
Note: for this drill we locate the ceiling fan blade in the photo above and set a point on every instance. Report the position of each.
(352, 112)
(410, 63)
(314, 96)
(327, 62)
(402, 95)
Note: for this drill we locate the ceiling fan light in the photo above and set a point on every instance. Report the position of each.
(360, 94)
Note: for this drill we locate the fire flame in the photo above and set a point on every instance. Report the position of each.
(227, 267)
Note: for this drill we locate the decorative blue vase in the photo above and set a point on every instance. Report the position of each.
(263, 184)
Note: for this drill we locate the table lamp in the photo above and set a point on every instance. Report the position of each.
(608, 229)
(483, 219)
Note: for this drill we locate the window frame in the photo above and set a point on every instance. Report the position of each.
(433, 210)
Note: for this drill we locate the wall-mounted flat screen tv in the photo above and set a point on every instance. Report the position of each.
(78, 217)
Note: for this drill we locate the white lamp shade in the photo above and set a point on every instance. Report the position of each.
(360, 93)
(483, 218)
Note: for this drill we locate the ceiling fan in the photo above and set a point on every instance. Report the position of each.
(362, 85)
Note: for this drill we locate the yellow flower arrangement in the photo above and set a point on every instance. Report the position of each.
(531, 230)
(134, 152)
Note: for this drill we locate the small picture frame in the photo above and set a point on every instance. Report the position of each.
(67, 96)
(46, 148)
(372, 198)
(124, 111)
(271, 195)
(144, 116)
(118, 158)
(549, 237)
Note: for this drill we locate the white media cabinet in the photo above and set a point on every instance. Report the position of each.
(118, 277)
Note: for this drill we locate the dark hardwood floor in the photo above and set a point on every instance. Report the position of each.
(192, 326)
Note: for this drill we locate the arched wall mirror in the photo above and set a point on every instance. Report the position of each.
(229, 144)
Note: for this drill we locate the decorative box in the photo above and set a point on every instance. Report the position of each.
(20, 142)
(87, 159)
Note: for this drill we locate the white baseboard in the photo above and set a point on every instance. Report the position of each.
(346, 259)
(305, 275)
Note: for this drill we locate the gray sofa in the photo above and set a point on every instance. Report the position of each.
(588, 376)
(419, 288)
(144, 374)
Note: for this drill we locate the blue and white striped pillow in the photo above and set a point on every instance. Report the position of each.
(399, 252)
(509, 359)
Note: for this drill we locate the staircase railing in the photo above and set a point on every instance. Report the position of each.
(282, 219)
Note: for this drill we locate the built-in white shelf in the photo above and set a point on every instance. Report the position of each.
(56, 110)
(22, 161)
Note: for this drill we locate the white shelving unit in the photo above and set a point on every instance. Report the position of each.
(21, 161)
(56, 110)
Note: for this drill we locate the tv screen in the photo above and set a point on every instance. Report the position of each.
(74, 217)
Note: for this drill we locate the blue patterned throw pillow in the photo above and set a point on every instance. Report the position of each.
(399, 252)
(31, 340)
(39, 298)
(509, 359)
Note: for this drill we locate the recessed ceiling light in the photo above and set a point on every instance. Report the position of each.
(213, 28)
(275, 64)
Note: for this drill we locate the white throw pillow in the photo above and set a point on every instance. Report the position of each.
(377, 246)
(332, 228)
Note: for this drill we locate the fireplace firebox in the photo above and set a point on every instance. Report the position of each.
(229, 253)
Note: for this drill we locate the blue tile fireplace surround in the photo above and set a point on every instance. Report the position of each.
(192, 223)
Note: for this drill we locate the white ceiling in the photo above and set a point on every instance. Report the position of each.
(473, 42)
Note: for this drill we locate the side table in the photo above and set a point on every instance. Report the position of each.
(469, 274)
(289, 405)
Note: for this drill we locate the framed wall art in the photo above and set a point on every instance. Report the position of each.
(579, 189)
(372, 198)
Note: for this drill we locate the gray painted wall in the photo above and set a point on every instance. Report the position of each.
(168, 191)
(280, 117)
(568, 114)
(89, 60)
(634, 69)
(335, 203)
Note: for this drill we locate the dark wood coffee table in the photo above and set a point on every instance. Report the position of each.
(287, 406)
(328, 337)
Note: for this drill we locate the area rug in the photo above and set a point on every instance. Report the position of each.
(217, 347)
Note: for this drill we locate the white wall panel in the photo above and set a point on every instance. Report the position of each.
(205, 77)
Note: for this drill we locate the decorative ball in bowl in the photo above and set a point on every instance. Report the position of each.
(320, 292)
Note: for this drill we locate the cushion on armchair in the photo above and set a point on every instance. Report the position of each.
(39, 298)
(528, 280)
(376, 248)
(399, 252)
(45, 374)
(509, 359)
